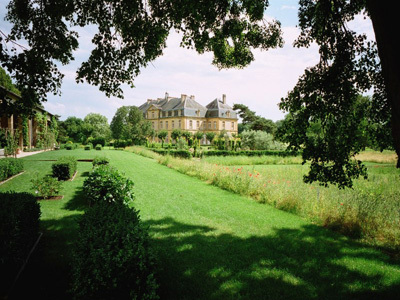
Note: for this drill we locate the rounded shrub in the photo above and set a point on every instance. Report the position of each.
(100, 160)
(106, 184)
(112, 258)
(64, 168)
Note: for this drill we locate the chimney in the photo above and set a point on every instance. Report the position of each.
(183, 97)
(192, 97)
(223, 98)
(148, 100)
(166, 96)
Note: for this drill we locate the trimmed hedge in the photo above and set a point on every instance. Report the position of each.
(106, 184)
(10, 167)
(100, 160)
(172, 152)
(19, 229)
(249, 153)
(64, 168)
(99, 147)
(112, 256)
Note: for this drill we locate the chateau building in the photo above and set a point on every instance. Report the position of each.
(184, 113)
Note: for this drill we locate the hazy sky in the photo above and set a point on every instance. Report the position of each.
(260, 86)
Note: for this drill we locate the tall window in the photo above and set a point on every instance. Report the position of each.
(233, 125)
(172, 124)
(223, 124)
(152, 114)
(197, 124)
(209, 125)
(190, 124)
(166, 124)
(215, 124)
(161, 124)
(179, 124)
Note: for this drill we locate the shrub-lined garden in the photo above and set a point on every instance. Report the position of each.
(245, 251)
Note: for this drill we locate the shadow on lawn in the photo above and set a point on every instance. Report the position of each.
(47, 275)
(290, 264)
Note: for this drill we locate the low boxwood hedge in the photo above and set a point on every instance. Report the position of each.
(248, 153)
(173, 152)
(10, 167)
(112, 258)
(106, 184)
(64, 168)
(19, 229)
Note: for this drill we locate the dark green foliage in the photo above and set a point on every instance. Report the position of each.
(98, 141)
(88, 147)
(112, 256)
(100, 160)
(252, 121)
(99, 147)
(248, 153)
(10, 167)
(120, 144)
(64, 168)
(46, 186)
(106, 184)
(327, 94)
(173, 152)
(19, 228)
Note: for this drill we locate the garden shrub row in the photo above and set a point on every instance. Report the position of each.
(19, 224)
(112, 258)
(172, 152)
(100, 160)
(249, 153)
(64, 168)
(106, 184)
(10, 167)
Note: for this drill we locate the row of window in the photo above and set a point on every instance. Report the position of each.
(198, 125)
(176, 113)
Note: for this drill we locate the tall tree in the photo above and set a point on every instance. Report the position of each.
(130, 35)
(96, 125)
(129, 123)
(327, 93)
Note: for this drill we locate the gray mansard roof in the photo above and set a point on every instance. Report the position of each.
(190, 108)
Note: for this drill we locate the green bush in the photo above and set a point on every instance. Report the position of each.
(19, 228)
(120, 144)
(248, 153)
(98, 147)
(71, 146)
(106, 184)
(112, 258)
(10, 167)
(88, 146)
(64, 168)
(98, 141)
(173, 152)
(46, 186)
(100, 160)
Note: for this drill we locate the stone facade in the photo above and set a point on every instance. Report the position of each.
(186, 114)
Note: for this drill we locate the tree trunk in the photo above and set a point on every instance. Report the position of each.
(384, 20)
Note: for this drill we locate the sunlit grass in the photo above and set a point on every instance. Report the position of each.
(369, 212)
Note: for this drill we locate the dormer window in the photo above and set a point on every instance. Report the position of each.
(198, 113)
(228, 113)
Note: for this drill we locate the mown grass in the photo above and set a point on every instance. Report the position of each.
(369, 212)
(211, 243)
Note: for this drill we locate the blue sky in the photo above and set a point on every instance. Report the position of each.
(260, 86)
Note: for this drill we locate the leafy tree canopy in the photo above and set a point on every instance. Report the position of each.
(253, 122)
(128, 123)
(328, 93)
(130, 34)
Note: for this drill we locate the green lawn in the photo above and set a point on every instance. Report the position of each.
(211, 244)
